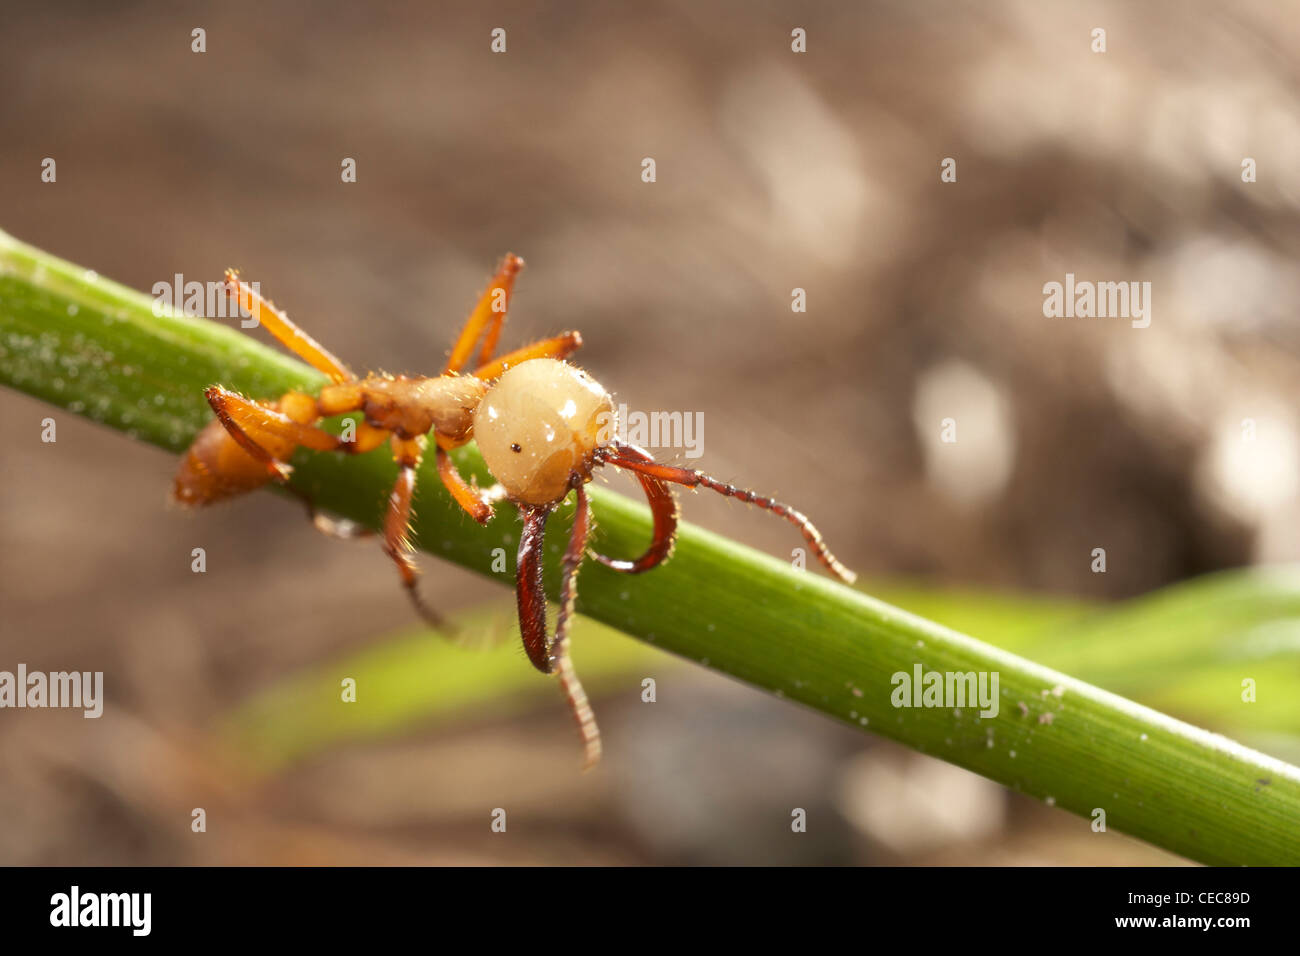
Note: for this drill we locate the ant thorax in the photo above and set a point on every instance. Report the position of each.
(417, 406)
(538, 425)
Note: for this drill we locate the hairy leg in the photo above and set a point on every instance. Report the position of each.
(279, 325)
(464, 494)
(560, 347)
(267, 434)
(634, 459)
(397, 526)
(489, 315)
(569, 682)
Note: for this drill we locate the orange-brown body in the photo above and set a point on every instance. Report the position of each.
(541, 424)
(217, 466)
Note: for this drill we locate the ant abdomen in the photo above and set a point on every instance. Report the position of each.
(216, 468)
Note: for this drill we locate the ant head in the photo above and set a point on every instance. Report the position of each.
(541, 422)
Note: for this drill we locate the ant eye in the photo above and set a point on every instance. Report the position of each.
(514, 447)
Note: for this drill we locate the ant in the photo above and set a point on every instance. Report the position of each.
(541, 424)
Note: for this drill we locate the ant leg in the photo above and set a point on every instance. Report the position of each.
(304, 409)
(489, 314)
(335, 400)
(664, 511)
(254, 426)
(569, 682)
(464, 495)
(339, 400)
(397, 527)
(634, 459)
(551, 656)
(290, 336)
(560, 347)
(588, 730)
(289, 421)
(247, 422)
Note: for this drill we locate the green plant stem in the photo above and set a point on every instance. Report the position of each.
(89, 345)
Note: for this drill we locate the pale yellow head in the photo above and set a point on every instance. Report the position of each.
(539, 423)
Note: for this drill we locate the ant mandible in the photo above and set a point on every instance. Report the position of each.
(541, 424)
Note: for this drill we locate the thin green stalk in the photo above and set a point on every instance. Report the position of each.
(1207, 632)
(89, 345)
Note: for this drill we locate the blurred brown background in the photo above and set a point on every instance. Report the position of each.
(775, 170)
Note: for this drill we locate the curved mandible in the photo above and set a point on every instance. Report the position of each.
(663, 509)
